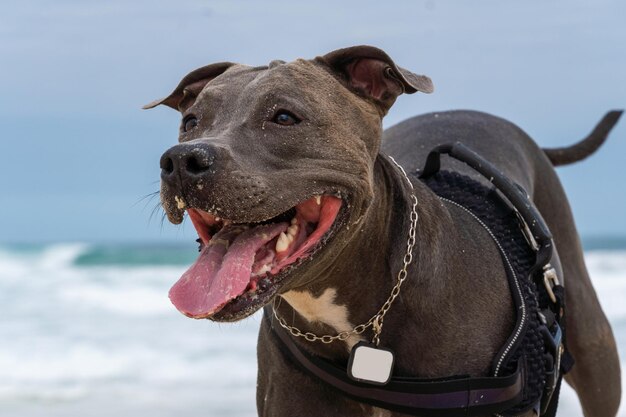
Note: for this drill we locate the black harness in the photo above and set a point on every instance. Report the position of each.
(526, 373)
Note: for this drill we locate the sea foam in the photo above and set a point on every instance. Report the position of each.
(89, 331)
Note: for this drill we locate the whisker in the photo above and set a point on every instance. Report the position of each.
(147, 198)
(163, 217)
(154, 211)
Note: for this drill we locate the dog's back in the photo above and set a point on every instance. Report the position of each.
(495, 139)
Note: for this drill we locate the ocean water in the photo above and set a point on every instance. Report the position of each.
(88, 330)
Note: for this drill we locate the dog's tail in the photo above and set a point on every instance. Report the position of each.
(587, 146)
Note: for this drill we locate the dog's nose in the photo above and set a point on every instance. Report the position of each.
(186, 161)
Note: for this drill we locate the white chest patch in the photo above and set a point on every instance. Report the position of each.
(324, 310)
(379, 412)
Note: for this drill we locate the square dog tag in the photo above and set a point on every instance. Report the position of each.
(370, 364)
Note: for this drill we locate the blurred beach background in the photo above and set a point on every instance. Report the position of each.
(86, 328)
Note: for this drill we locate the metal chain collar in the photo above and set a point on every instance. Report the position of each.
(376, 322)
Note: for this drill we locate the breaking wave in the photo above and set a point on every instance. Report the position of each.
(90, 327)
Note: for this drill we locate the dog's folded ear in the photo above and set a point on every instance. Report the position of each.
(370, 72)
(185, 94)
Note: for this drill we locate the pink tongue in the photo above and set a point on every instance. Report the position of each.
(222, 271)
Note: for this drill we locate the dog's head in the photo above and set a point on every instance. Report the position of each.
(273, 166)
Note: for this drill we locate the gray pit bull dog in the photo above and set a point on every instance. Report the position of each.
(281, 171)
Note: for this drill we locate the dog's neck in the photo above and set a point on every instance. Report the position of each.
(424, 318)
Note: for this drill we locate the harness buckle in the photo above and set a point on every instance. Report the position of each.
(550, 280)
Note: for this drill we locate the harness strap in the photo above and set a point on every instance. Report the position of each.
(535, 228)
(550, 400)
(446, 397)
(554, 401)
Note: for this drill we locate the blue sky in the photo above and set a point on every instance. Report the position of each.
(78, 153)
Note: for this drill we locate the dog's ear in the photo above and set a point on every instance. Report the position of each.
(370, 72)
(190, 86)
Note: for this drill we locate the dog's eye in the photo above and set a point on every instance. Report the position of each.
(285, 118)
(189, 122)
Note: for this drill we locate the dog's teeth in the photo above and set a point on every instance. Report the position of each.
(285, 239)
(294, 221)
(318, 199)
(292, 230)
(217, 219)
(282, 243)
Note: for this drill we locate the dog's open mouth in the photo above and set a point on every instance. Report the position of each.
(240, 265)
